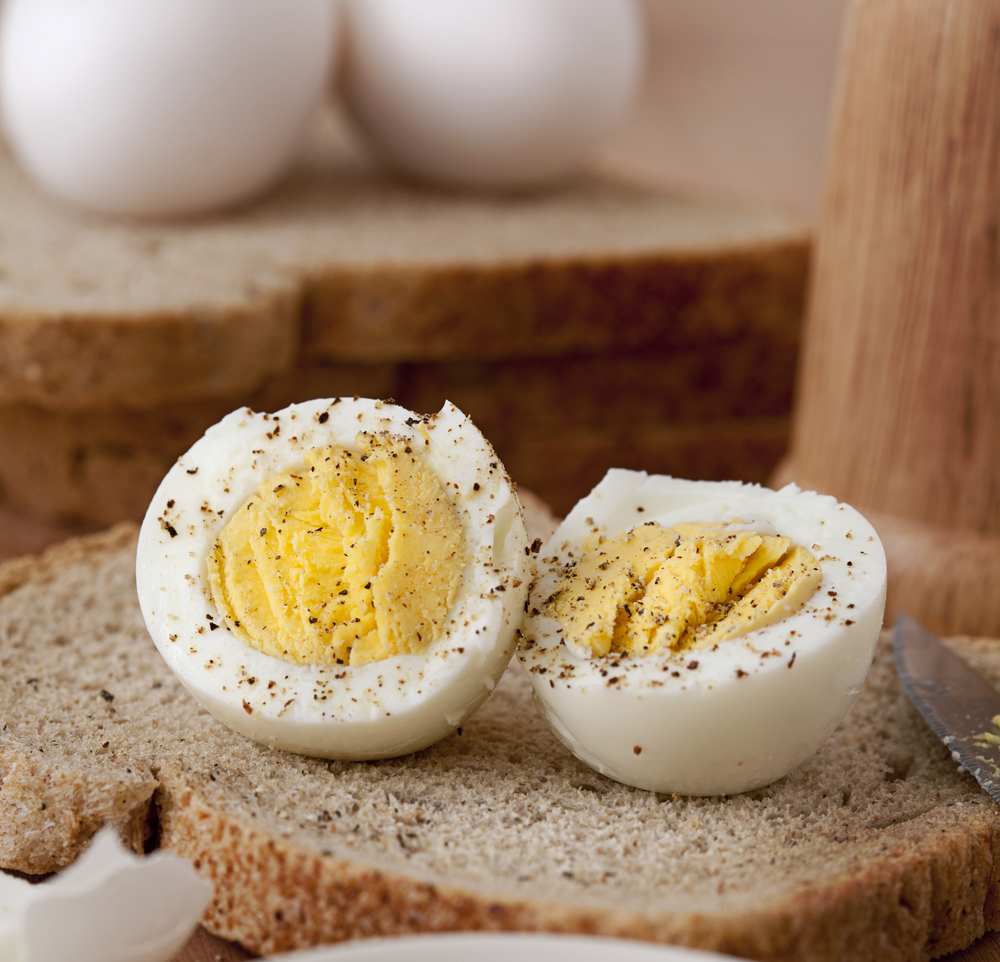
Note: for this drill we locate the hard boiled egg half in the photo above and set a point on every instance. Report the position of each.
(702, 638)
(342, 578)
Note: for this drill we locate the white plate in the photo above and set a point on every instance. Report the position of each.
(499, 948)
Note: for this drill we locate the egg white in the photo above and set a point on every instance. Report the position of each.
(382, 709)
(703, 721)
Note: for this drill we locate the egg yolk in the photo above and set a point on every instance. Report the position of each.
(354, 558)
(692, 585)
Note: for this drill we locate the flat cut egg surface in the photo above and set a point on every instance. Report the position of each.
(708, 709)
(342, 578)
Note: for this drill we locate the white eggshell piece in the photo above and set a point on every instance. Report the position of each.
(109, 906)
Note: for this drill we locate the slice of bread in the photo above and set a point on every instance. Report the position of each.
(344, 263)
(876, 848)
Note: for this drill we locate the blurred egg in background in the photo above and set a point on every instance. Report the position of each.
(162, 108)
(492, 95)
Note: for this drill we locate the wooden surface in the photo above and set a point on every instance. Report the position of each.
(899, 393)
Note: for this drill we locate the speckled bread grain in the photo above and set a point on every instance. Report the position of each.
(876, 848)
(342, 263)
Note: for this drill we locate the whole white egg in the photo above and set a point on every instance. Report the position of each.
(487, 94)
(721, 711)
(165, 107)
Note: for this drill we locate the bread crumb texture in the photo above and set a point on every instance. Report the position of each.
(876, 848)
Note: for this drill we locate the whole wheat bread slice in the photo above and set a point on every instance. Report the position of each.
(875, 849)
(345, 263)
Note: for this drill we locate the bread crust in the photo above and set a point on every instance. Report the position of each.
(547, 307)
(925, 884)
(101, 467)
(49, 809)
(344, 263)
(21, 534)
(930, 891)
(557, 424)
(44, 566)
(107, 471)
(84, 359)
(396, 313)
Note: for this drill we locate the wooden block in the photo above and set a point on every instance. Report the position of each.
(899, 409)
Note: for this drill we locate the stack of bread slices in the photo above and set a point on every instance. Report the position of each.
(602, 322)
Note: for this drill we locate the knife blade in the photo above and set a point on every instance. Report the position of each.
(959, 705)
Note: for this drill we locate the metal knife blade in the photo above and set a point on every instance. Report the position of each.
(955, 700)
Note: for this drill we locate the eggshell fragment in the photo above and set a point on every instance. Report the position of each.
(110, 906)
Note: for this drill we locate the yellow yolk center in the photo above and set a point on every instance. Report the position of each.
(356, 557)
(692, 585)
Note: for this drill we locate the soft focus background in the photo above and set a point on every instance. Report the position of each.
(738, 97)
(736, 103)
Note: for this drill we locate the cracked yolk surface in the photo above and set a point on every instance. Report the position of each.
(356, 557)
(688, 586)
